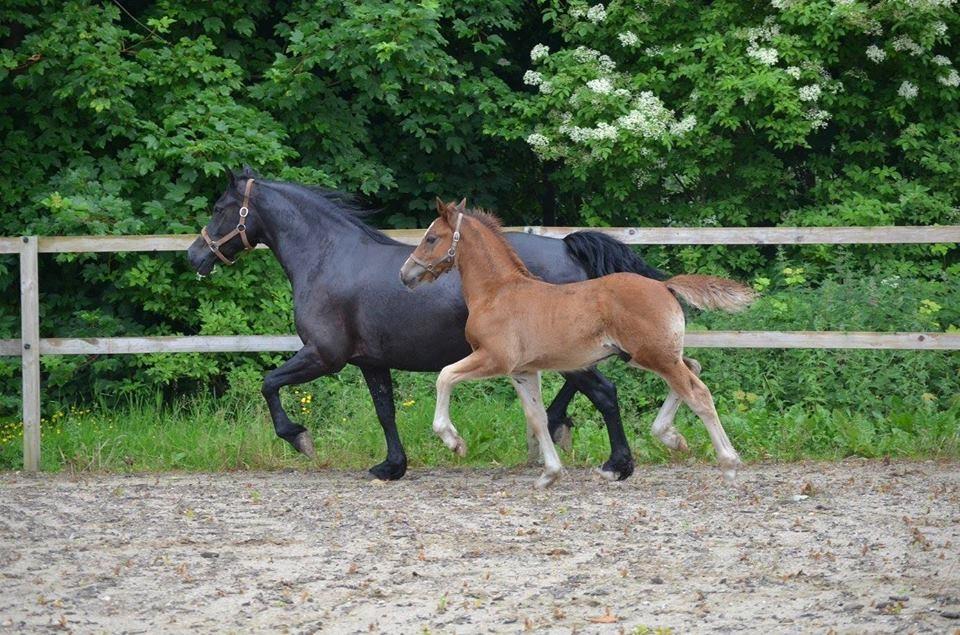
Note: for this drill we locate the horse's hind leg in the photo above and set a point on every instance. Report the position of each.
(473, 366)
(662, 427)
(380, 385)
(695, 394)
(527, 386)
(559, 423)
(306, 365)
(603, 395)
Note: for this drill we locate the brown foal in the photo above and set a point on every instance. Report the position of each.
(519, 325)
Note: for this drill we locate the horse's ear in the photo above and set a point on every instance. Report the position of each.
(462, 205)
(232, 178)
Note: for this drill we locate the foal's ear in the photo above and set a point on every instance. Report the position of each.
(441, 207)
(462, 205)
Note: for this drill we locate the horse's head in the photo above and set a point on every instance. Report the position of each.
(233, 228)
(436, 254)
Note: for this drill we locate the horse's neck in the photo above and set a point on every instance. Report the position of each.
(303, 242)
(486, 263)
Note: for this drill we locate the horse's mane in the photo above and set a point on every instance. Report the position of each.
(345, 205)
(492, 222)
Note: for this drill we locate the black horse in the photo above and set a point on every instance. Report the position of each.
(350, 307)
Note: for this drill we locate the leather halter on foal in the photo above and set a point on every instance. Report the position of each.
(451, 253)
(240, 229)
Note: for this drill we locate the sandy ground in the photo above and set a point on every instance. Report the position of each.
(854, 546)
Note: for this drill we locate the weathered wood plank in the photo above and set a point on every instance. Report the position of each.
(822, 339)
(30, 351)
(10, 245)
(169, 344)
(629, 235)
(693, 339)
(766, 235)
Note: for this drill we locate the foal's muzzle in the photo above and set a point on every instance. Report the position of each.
(411, 274)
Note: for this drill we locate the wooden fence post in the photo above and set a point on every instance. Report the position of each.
(30, 355)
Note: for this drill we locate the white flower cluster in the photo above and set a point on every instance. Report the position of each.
(817, 117)
(683, 126)
(768, 56)
(538, 141)
(876, 54)
(782, 5)
(653, 51)
(648, 117)
(577, 134)
(602, 86)
(939, 28)
(941, 60)
(628, 38)
(843, 3)
(930, 4)
(951, 79)
(762, 35)
(792, 71)
(584, 54)
(532, 78)
(908, 90)
(809, 93)
(906, 43)
(539, 52)
(597, 13)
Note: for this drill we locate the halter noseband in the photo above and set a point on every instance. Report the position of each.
(240, 229)
(450, 255)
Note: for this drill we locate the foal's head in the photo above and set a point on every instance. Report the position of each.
(437, 251)
(233, 228)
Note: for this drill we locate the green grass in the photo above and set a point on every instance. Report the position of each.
(203, 433)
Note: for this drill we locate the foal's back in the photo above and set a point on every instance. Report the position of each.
(536, 325)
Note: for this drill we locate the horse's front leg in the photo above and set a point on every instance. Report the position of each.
(474, 366)
(381, 391)
(306, 365)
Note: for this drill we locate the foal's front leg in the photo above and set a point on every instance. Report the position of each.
(527, 386)
(474, 366)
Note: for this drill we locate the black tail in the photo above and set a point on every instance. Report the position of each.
(601, 255)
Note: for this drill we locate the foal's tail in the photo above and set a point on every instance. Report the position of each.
(711, 292)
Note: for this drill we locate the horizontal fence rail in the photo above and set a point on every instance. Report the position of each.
(31, 346)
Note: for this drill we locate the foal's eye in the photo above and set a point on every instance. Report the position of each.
(431, 240)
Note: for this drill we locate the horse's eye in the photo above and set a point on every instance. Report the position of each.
(431, 240)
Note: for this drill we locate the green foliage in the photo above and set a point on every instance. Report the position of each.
(121, 118)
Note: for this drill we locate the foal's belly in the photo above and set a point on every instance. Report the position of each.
(572, 358)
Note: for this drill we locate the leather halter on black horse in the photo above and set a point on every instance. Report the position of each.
(240, 229)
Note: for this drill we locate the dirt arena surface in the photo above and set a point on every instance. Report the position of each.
(855, 546)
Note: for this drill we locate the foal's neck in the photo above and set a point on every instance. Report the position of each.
(486, 262)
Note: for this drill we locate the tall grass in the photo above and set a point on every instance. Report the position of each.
(233, 432)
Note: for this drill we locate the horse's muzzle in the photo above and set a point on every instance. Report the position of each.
(411, 274)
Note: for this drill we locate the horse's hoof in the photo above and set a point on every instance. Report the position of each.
(303, 442)
(619, 468)
(388, 471)
(546, 480)
(607, 475)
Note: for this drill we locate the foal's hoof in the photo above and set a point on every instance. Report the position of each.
(460, 447)
(730, 470)
(303, 442)
(388, 471)
(546, 480)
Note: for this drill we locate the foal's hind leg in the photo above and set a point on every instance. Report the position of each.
(695, 394)
(527, 386)
(662, 426)
(473, 366)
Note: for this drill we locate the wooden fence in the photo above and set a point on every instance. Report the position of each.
(31, 346)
